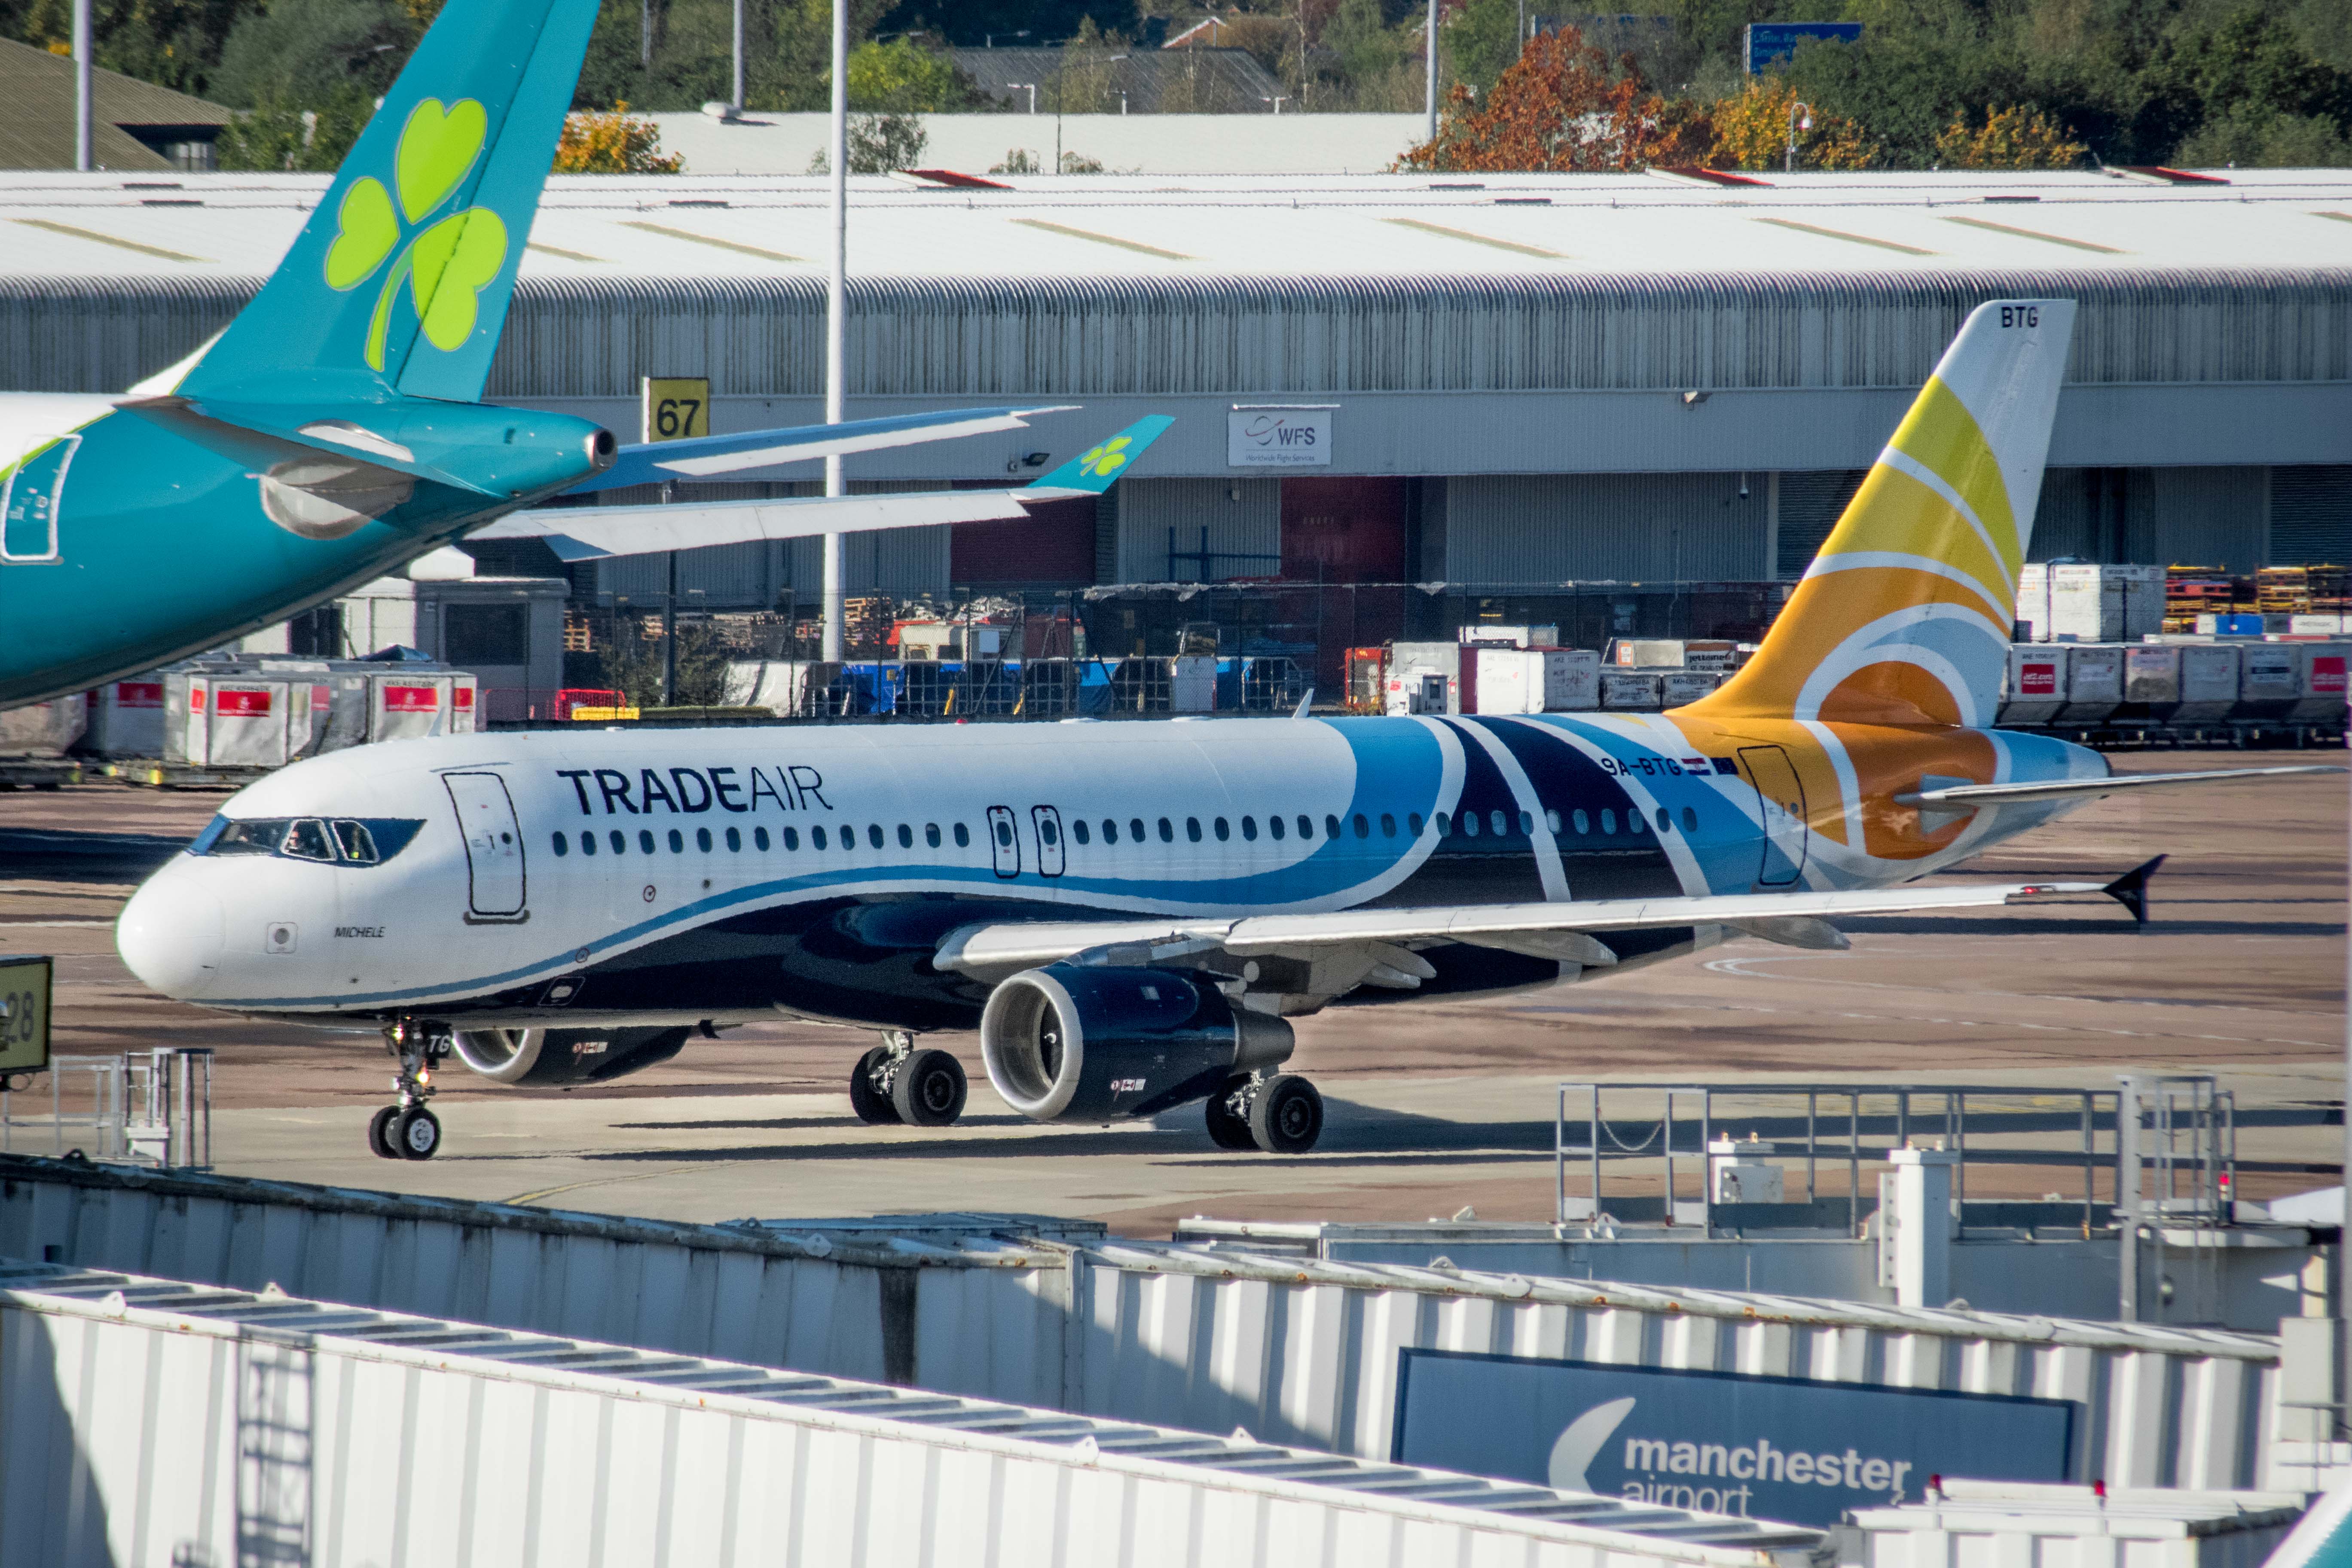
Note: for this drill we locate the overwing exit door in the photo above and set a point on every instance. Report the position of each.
(1048, 824)
(1780, 800)
(1003, 841)
(493, 860)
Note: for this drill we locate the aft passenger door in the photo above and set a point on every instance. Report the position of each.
(1048, 824)
(1780, 798)
(494, 859)
(1003, 841)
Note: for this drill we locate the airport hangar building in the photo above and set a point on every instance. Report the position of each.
(1514, 379)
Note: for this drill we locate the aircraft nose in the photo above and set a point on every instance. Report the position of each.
(171, 933)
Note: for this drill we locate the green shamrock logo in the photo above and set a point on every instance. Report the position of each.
(1107, 458)
(446, 266)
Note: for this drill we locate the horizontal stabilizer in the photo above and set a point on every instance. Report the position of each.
(2130, 890)
(709, 456)
(1967, 797)
(589, 533)
(261, 437)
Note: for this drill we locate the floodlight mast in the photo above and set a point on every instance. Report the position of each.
(85, 115)
(836, 320)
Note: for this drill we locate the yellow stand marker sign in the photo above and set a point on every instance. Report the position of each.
(676, 407)
(25, 983)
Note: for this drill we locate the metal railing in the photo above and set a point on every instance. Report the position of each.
(2193, 1124)
(151, 1108)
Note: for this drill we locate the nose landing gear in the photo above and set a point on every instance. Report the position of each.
(408, 1130)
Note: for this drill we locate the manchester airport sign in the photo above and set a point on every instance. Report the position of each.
(1782, 1449)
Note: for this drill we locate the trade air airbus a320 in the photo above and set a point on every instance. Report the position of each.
(1130, 913)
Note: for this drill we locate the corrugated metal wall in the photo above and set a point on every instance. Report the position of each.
(1080, 336)
(2311, 515)
(2200, 516)
(1513, 528)
(1248, 527)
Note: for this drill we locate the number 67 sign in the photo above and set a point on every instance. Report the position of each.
(676, 407)
(24, 1015)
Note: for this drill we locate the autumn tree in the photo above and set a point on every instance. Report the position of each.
(2013, 137)
(1562, 105)
(614, 142)
(1752, 130)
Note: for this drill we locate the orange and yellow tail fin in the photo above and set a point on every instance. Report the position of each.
(1904, 617)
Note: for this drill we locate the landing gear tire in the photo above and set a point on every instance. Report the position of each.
(929, 1090)
(416, 1133)
(1286, 1116)
(1229, 1128)
(380, 1133)
(867, 1098)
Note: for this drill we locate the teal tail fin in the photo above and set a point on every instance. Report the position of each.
(401, 277)
(1098, 468)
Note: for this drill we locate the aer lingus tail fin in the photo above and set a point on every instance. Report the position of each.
(1905, 615)
(400, 281)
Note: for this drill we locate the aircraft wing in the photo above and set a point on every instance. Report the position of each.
(1561, 930)
(583, 534)
(1966, 797)
(705, 457)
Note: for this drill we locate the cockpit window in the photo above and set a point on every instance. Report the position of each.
(356, 842)
(349, 840)
(307, 840)
(261, 837)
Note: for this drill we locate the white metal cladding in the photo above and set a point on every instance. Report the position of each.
(1301, 1353)
(1305, 1353)
(1525, 528)
(149, 1421)
(1077, 336)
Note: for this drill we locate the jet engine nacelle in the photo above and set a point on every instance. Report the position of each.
(543, 1058)
(1069, 1043)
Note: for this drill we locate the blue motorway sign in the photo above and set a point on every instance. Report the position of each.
(1782, 1448)
(1770, 42)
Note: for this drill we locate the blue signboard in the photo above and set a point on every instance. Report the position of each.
(1770, 42)
(1782, 1449)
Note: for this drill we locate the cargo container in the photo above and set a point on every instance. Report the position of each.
(226, 720)
(1678, 687)
(1424, 678)
(1528, 680)
(2036, 686)
(2270, 680)
(1509, 637)
(2209, 683)
(2034, 602)
(1632, 691)
(126, 718)
(2094, 683)
(2104, 603)
(2320, 699)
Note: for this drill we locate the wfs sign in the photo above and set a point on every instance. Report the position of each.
(1768, 1448)
(1278, 435)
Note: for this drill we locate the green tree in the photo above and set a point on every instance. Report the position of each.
(277, 136)
(901, 77)
(307, 54)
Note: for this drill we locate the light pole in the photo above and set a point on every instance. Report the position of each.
(1429, 69)
(85, 115)
(738, 100)
(1277, 102)
(836, 318)
(1801, 118)
(1031, 88)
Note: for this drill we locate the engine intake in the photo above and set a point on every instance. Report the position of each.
(1069, 1043)
(543, 1058)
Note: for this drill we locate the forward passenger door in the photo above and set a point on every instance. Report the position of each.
(493, 860)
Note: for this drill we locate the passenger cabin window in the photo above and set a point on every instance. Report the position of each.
(1192, 828)
(1331, 826)
(1469, 825)
(677, 842)
(905, 837)
(1363, 828)
(1047, 832)
(1249, 828)
(1305, 826)
(760, 839)
(1500, 824)
(646, 840)
(1526, 825)
(1225, 830)
(1608, 819)
(874, 834)
(1167, 831)
(1444, 824)
(931, 834)
(962, 837)
(702, 840)
(1412, 823)
(792, 838)
(1004, 835)
(1665, 820)
(1584, 823)
(1110, 830)
(1273, 826)
(734, 840)
(1388, 826)
(1079, 831)
(816, 837)
(620, 841)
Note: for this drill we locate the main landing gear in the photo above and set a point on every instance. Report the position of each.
(1280, 1113)
(897, 1082)
(408, 1130)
